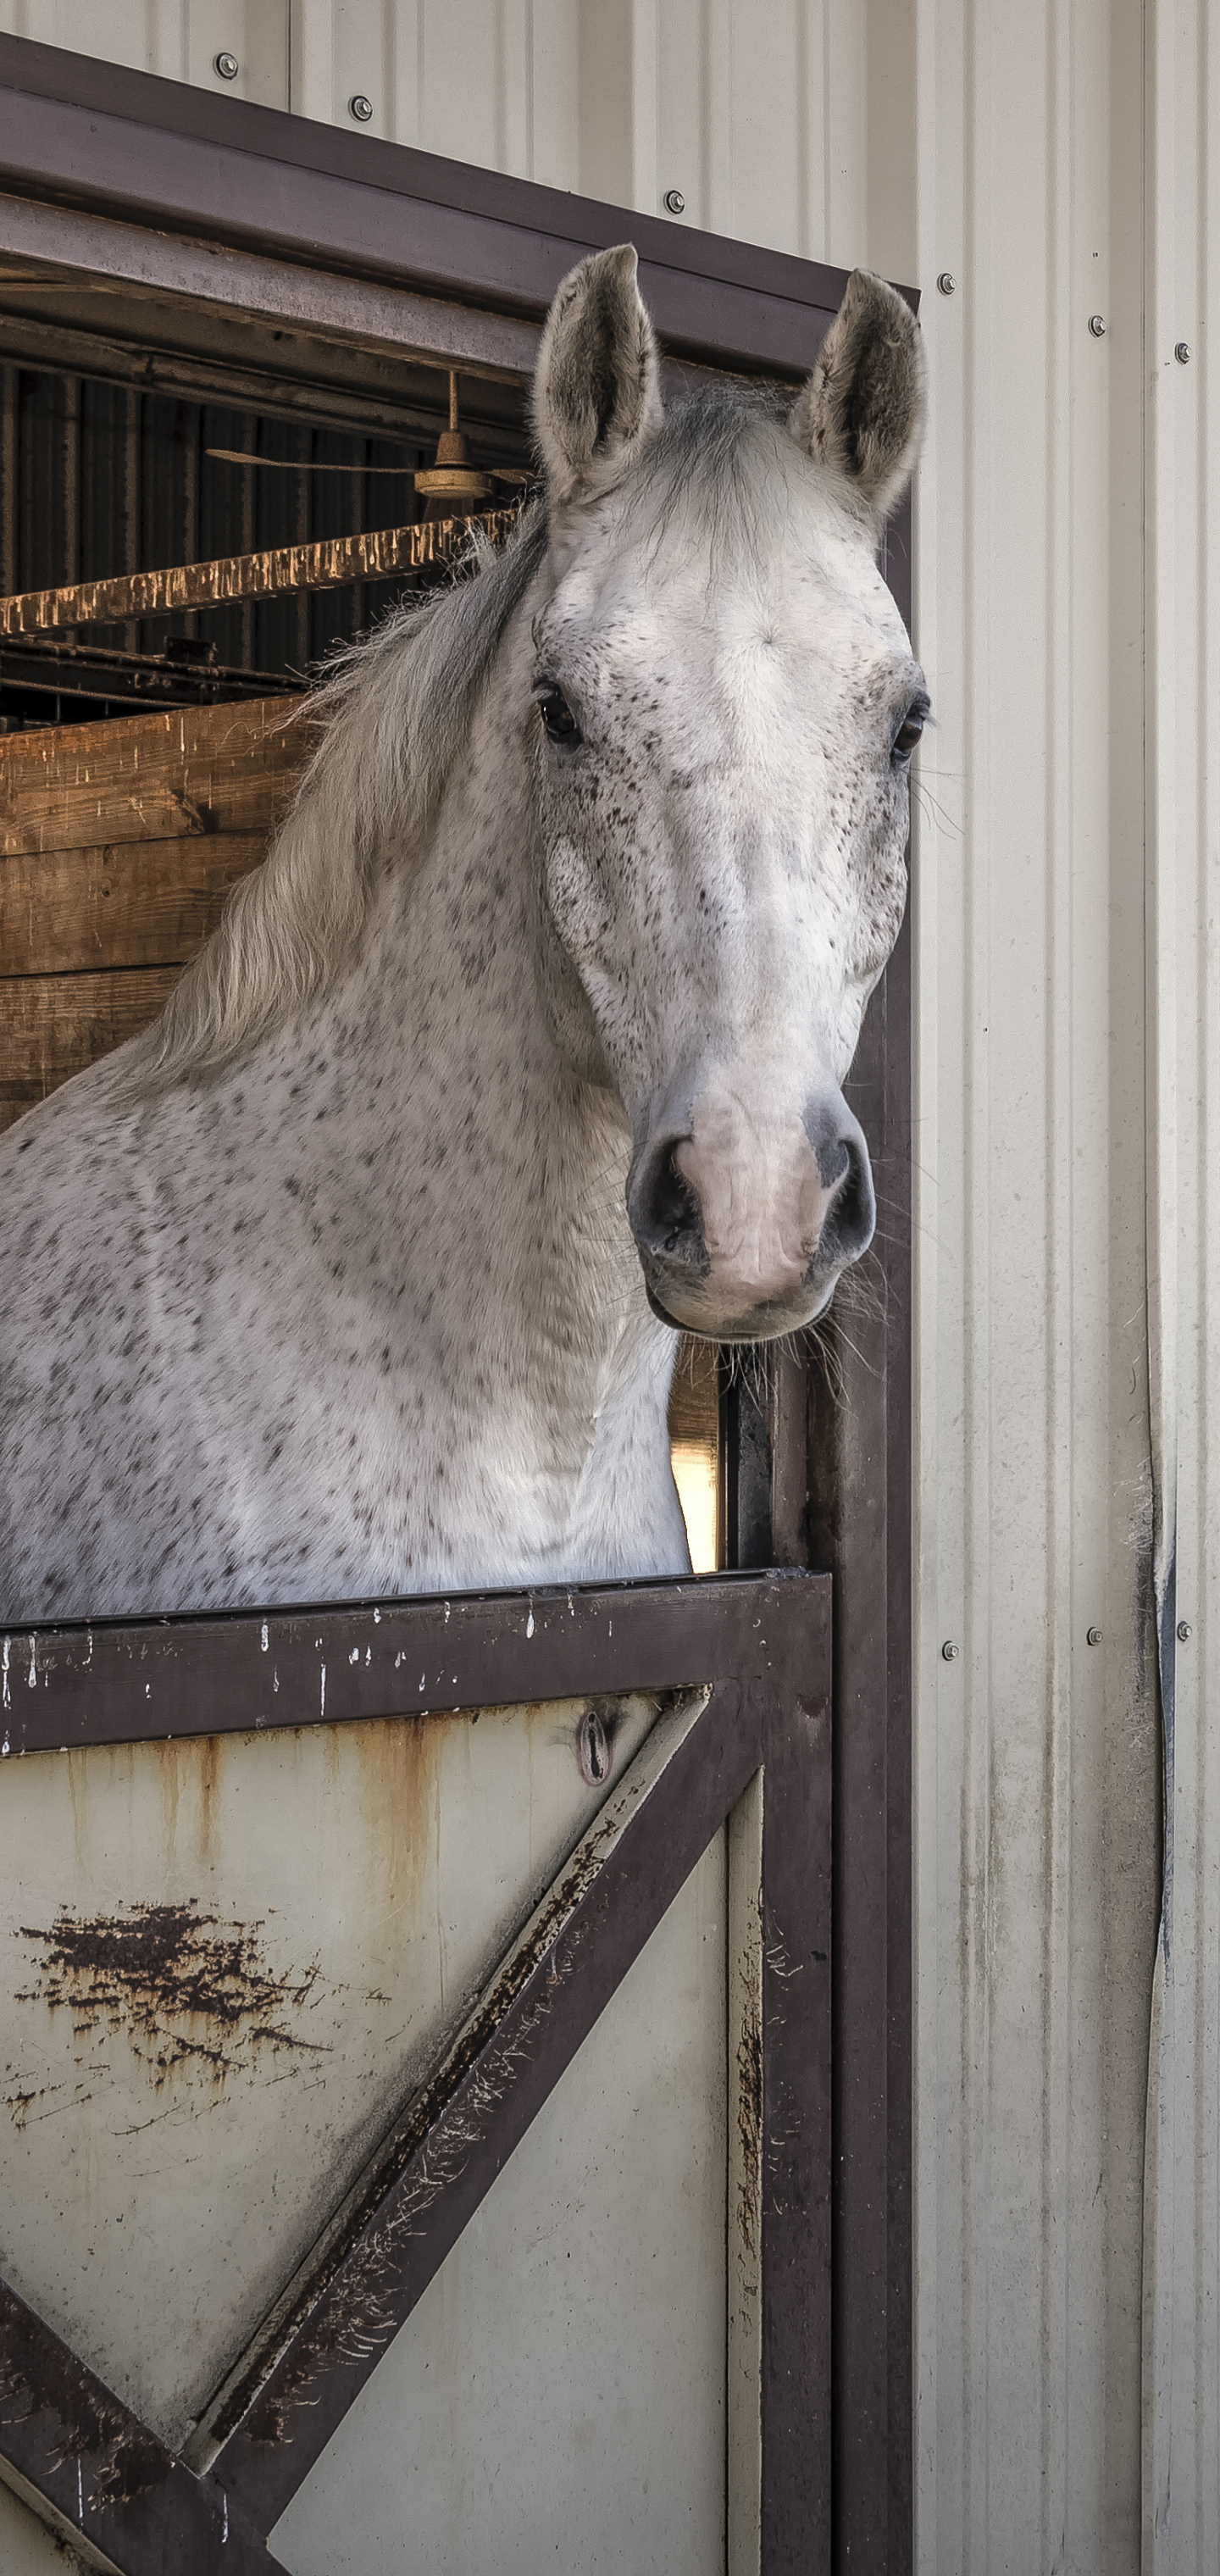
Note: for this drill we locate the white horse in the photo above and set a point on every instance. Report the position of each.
(362, 1271)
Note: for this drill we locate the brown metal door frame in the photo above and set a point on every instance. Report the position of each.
(762, 1644)
(99, 147)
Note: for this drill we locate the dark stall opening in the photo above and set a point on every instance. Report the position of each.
(101, 479)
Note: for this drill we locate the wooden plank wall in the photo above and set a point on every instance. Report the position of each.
(118, 845)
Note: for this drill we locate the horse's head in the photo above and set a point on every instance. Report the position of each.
(727, 707)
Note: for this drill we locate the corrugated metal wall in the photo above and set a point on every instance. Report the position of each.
(1056, 159)
(1037, 1828)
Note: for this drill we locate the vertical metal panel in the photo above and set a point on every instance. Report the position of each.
(179, 39)
(1182, 2241)
(1036, 1830)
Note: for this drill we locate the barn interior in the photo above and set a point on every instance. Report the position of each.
(141, 433)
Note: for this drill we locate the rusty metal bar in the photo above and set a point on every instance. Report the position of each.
(332, 564)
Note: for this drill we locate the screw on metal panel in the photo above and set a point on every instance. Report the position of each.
(946, 282)
(675, 201)
(950, 1651)
(1097, 325)
(1184, 1631)
(227, 65)
(1181, 351)
(361, 107)
(1094, 1636)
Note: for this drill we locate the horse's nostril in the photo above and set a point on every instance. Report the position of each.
(671, 1209)
(843, 1170)
(852, 1215)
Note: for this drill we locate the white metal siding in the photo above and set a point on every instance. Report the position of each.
(1057, 159)
(1182, 2245)
(1037, 1754)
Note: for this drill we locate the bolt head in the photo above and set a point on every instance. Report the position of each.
(1185, 1631)
(1097, 325)
(227, 66)
(1094, 1636)
(675, 201)
(950, 1651)
(1182, 352)
(946, 283)
(361, 107)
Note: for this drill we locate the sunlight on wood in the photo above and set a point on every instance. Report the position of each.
(694, 1442)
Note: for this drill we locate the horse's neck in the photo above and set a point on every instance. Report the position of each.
(507, 1171)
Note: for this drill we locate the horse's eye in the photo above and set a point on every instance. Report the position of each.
(557, 716)
(908, 735)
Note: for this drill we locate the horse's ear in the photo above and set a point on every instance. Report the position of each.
(861, 412)
(597, 391)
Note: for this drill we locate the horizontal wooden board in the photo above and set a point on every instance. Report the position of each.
(182, 772)
(127, 903)
(52, 1026)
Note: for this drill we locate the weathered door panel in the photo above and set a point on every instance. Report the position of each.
(557, 2398)
(234, 1959)
(600, 2200)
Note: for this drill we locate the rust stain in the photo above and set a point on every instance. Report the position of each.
(187, 1989)
(209, 1752)
(749, 2120)
(399, 1762)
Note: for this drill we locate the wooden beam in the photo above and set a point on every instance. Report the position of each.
(120, 903)
(182, 772)
(331, 565)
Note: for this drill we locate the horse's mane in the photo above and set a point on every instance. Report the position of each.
(396, 711)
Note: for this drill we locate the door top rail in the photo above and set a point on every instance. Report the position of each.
(131, 1681)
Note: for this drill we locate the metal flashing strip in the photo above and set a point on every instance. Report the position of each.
(761, 1642)
(96, 137)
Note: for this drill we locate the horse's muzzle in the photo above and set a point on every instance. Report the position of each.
(743, 1224)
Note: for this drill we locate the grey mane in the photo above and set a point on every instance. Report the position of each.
(396, 713)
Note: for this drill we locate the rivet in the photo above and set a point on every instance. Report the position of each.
(1095, 1636)
(675, 201)
(946, 282)
(1185, 1631)
(949, 1651)
(361, 107)
(1097, 325)
(1181, 352)
(227, 65)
